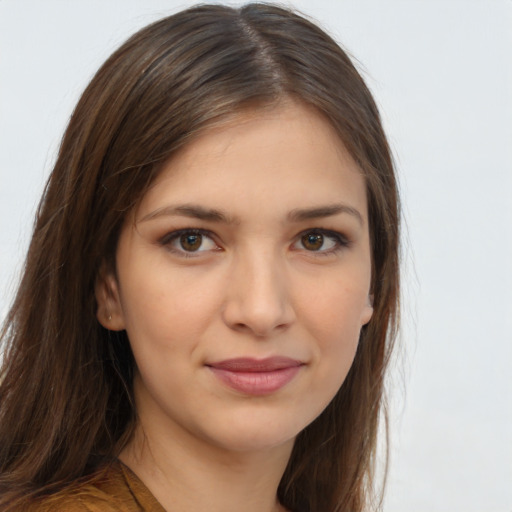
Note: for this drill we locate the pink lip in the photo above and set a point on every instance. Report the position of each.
(256, 376)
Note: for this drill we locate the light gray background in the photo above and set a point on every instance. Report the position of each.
(441, 71)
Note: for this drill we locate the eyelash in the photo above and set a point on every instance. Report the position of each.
(341, 241)
(175, 235)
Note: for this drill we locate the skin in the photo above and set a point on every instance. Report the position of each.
(255, 287)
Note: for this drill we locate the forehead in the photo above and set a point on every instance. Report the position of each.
(262, 157)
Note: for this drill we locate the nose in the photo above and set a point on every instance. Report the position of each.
(257, 295)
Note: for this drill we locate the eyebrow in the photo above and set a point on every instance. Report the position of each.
(214, 215)
(190, 210)
(299, 215)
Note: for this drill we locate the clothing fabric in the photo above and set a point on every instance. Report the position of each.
(115, 489)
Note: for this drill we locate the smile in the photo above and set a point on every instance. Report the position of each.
(256, 376)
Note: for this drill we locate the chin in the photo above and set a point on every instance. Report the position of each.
(254, 433)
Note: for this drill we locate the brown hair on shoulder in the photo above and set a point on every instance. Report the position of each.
(66, 402)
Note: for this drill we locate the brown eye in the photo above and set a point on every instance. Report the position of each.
(312, 241)
(320, 241)
(191, 242)
(188, 242)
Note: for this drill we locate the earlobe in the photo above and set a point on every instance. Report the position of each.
(367, 311)
(109, 311)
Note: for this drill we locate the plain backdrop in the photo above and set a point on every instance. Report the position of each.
(441, 71)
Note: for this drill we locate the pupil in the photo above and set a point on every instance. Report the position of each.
(313, 241)
(191, 242)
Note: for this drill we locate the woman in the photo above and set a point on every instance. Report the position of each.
(210, 295)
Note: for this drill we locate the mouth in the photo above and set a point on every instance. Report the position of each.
(256, 376)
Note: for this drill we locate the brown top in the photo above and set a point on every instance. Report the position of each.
(116, 489)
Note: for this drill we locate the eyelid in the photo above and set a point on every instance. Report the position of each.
(341, 240)
(170, 237)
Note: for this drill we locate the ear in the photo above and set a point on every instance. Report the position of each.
(367, 311)
(109, 312)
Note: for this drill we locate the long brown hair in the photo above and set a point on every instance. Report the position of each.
(66, 383)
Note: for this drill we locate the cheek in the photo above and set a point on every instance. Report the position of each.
(333, 320)
(166, 310)
(164, 325)
(335, 307)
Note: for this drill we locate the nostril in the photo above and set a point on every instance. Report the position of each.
(257, 302)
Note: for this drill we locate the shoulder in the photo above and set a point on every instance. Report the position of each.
(107, 491)
(75, 502)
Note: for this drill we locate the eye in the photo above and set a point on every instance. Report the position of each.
(186, 242)
(321, 241)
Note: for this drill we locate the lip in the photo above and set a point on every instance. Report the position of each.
(256, 376)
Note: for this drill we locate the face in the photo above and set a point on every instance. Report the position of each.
(242, 281)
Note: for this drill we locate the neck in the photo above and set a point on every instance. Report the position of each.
(187, 475)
